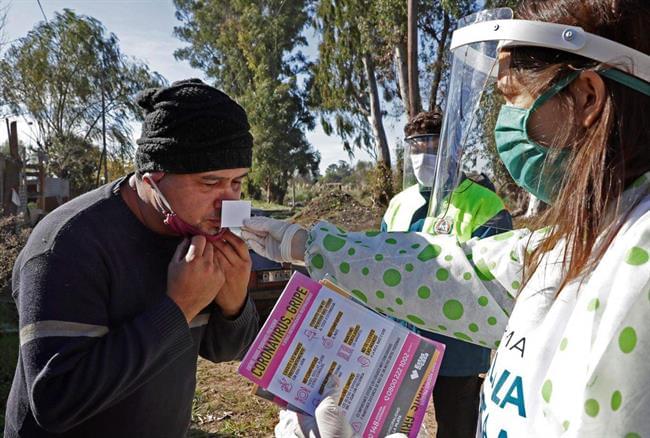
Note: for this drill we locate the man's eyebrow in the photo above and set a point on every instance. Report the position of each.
(220, 178)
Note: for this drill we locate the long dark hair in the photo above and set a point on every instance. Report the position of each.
(606, 157)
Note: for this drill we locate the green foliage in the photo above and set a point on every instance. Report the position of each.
(58, 73)
(353, 31)
(436, 20)
(74, 159)
(250, 49)
(13, 236)
(357, 178)
(337, 172)
(5, 150)
(490, 4)
(339, 80)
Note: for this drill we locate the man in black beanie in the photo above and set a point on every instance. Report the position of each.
(120, 289)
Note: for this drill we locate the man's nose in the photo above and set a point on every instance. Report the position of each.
(225, 195)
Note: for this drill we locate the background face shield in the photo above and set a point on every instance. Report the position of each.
(467, 147)
(419, 145)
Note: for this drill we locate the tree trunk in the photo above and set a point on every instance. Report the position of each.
(535, 207)
(415, 105)
(439, 64)
(280, 197)
(103, 158)
(402, 72)
(375, 112)
(12, 166)
(278, 192)
(268, 191)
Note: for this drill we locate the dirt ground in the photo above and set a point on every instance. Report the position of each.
(340, 208)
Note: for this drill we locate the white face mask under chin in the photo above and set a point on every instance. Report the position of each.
(424, 168)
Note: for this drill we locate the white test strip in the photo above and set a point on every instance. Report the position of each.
(233, 213)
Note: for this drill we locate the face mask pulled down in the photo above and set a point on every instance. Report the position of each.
(178, 225)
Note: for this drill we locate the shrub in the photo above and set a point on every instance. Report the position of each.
(13, 236)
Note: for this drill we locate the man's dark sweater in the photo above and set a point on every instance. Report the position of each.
(104, 351)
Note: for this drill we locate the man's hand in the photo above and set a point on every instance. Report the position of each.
(235, 261)
(194, 276)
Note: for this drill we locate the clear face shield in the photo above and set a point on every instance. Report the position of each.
(420, 157)
(467, 141)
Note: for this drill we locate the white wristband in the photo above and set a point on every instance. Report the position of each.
(285, 245)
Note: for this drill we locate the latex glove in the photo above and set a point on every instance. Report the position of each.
(275, 239)
(328, 421)
(295, 425)
(331, 420)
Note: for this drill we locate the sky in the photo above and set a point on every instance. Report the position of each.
(145, 31)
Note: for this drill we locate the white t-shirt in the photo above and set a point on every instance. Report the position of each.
(573, 364)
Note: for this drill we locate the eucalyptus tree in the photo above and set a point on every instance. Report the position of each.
(71, 79)
(251, 49)
(345, 86)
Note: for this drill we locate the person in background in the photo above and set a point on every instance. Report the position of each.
(121, 289)
(477, 212)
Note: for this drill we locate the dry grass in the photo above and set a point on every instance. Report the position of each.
(224, 406)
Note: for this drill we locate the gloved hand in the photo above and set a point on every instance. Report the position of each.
(332, 423)
(331, 420)
(328, 422)
(274, 239)
(295, 425)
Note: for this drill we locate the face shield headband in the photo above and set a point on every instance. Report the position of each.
(626, 65)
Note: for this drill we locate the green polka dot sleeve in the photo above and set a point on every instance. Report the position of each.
(430, 281)
(498, 260)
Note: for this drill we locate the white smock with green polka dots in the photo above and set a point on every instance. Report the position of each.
(573, 365)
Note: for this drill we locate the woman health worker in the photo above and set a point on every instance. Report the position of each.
(567, 307)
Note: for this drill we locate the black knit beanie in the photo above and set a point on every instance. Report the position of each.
(192, 127)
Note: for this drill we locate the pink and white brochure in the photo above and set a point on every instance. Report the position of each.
(386, 372)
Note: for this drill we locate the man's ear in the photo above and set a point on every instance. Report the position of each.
(147, 177)
(589, 92)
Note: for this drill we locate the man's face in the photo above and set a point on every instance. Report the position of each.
(196, 197)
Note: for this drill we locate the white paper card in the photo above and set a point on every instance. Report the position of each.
(233, 213)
